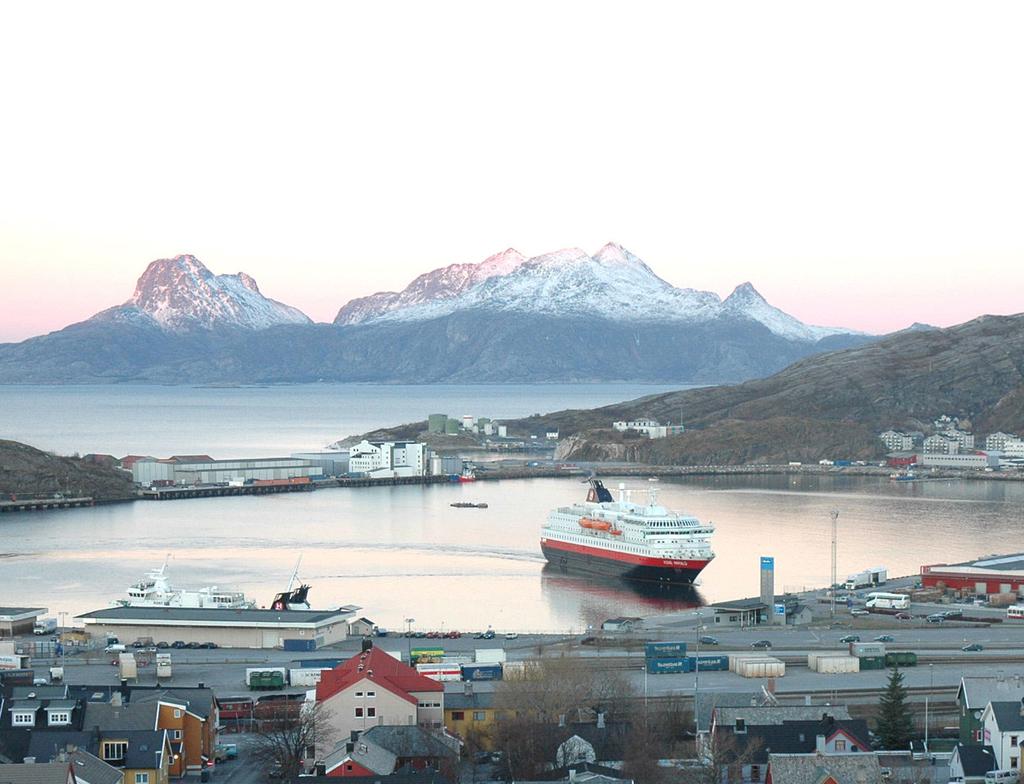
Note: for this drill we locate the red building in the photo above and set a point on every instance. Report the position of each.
(902, 459)
(997, 574)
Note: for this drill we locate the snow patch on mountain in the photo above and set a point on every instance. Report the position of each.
(180, 294)
(612, 284)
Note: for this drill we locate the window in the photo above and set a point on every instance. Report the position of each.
(1013, 763)
(840, 745)
(59, 717)
(371, 712)
(177, 713)
(359, 713)
(1013, 740)
(359, 694)
(114, 750)
(755, 772)
(176, 734)
(141, 778)
(371, 694)
(479, 716)
(24, 719)
(458, 715)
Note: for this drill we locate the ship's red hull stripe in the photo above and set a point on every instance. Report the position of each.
(629, 558)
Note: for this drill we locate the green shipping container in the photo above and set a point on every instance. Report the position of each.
(901, 659)
(277, 680)
(872, 663)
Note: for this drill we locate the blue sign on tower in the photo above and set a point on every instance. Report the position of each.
(767, 562)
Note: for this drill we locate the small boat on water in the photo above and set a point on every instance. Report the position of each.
(468, 505)
(903, 476)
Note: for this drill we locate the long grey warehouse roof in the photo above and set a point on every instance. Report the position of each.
(215, 615)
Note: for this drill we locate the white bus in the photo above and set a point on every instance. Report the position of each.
(887, 601)
(1015, 612)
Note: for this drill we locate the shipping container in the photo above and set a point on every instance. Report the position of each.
(321, 664)
(665, 650)
(264, 677)
(736, 659)
(299, 645)
(163, 665)
(664, 666)
(425, 655)
(901, 659)
(761, 668)
(867, 649)
(833, 664)
(305, 676)
(710, 663)
(236, 707)
(440, 672)
(457, 658)
(127, 667)
(872, 662)
(481, 672)
(490, 656)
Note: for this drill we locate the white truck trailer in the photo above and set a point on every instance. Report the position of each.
(866, 579)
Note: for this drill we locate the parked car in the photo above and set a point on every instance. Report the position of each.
(859, 613)
(223, 752)
(194, 645)
(850, 638)
(138, 644)
(903, 616)
(487, 635)
(974, 646)
(39, 681)
(953, 613)
(761, 644)
(178, 644)
(884, 638)
(709, 640)
(209, 645)
(453, 635)
(936, 618)
(589, 640)
(512, 636)
(163, 644)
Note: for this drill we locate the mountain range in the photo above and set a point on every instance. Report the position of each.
(563, 316)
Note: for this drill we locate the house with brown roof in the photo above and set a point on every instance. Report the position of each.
(374, 688)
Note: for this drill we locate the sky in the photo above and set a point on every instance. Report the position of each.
(861, 164)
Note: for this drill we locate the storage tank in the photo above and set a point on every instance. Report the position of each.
(662, 650)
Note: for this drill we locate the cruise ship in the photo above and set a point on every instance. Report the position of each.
(625, 539)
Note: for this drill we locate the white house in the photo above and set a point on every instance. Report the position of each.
(1003, 730)
(896, 441)
(997, 441)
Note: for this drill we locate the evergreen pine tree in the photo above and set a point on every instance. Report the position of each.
(895, 727)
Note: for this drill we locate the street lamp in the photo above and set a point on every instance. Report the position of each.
(931, 684)
(408, 637)
(696, 680)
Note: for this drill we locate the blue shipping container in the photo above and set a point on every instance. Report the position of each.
(317, 664)
(666, 666)
(481, 672)
(665, 650)
(300, 645)
(712, 663)
(842, 463)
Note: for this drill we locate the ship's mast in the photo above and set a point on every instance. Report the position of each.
(295, 575)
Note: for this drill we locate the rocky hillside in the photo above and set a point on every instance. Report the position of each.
(27, 471)
(825, 406)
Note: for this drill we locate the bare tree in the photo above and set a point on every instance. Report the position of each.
(724, 759)
(286, 736)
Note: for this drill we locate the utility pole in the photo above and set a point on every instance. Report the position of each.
(834, 514)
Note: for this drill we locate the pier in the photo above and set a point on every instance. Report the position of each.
(40, 504)
(212, 491)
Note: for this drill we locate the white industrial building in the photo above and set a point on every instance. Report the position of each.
(997, 441)
(648, 427)
(207, 471)
(980, 460)
(377, 459)
(334, 462)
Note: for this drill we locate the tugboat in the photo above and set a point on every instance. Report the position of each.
(468, 505)
(293, 598)
(627, 540)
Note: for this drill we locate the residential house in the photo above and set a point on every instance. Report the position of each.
(970, 763)
(374, 688)
(977, 691)
(139, 756)
(1003, 730)
(427, 777)
(941, 444)
(996, 442)
(896, 441)
(384, 750)
(471, 716)
(90, 769)
(823, 769)
(37, 773)
(130, 739)
(622, 624)
(190, 718)
(740, 741)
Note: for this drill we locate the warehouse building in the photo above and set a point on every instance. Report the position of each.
(227, 628)
(334, 462)
(979, 460)
(204, 470)
(989, 575)
(18, 620)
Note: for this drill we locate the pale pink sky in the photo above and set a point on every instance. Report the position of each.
(860, 164)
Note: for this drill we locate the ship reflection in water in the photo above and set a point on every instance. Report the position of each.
(596, 599)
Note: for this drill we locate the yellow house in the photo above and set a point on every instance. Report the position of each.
(144, 756)
(471, 717)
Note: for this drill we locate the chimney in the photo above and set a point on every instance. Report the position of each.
(202, 685)
(467, 688)
(367, 643)
(561, 719)
(819, 744)
(116, 699)
(807, 699)
(600, 720)
(771, 686)
(30, 760)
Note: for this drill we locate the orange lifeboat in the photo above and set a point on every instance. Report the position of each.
(615, 532)
(586, 522)
(600, 525)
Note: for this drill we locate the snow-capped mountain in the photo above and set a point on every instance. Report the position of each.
(444, 283)
(181, 294)
(612, 284)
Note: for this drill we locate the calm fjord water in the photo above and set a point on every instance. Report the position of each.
(403, 552)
